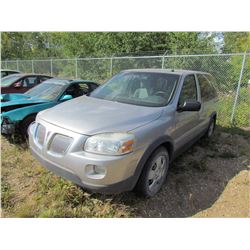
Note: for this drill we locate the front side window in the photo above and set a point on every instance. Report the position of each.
(139, 88)
(189, 90)
(85, 88)
(77, 89)
(29, 81)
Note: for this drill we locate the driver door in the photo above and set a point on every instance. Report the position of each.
(186, 122)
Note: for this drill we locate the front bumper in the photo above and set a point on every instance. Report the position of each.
(76, 165)
(122, 186)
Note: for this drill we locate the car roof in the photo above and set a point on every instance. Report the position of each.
(67, 81)
(166, 71)
(84, 81)
(27, 74)
(10, 70)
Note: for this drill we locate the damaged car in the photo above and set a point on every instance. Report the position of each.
(18, 111)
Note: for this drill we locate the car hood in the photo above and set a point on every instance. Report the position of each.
(88, 115)
(12, 97)
(18, 100)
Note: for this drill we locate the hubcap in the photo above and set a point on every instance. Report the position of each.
(156, 173)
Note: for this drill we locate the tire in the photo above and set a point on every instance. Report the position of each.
(153, 174)
(211, 128)
(25, 125)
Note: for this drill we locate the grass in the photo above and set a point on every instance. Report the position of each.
(242, 114)
(5, 195)
(29, 190)
(227, 155)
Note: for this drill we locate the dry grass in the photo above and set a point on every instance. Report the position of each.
(210, 180)
(29, 190)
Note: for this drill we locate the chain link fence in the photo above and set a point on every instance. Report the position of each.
(232, 73)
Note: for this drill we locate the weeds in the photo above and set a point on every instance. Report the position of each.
(5, 194)
(198, 165)
(227, 155)
(29, 190)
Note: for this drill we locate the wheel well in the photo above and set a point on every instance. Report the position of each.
(25, 118)
(169, 147)
(34, 114)
(214, 115)
(163, 143)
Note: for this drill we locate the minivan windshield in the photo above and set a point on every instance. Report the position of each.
(151, 89)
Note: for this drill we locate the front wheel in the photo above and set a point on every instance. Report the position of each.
(153, 174)
(25, 125)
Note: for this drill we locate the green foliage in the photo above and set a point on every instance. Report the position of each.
(242, 114)
(236, 41)
(30, 45)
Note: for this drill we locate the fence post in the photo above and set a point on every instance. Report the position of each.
(238, 87)
(163, 59)
(76, 68)
(111, 67)
(51, 67)
(17, 64)
(32, 66)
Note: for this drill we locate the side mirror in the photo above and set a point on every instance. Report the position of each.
(66, 98)
(17, 85)
(190, 105)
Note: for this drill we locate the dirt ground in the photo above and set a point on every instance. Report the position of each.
(212, 179)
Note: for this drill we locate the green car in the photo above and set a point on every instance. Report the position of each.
(18, 111)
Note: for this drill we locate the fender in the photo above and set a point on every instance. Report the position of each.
(18, 114)
(164, 140)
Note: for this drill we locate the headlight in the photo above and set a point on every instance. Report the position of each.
(110, 143)
(32, 128)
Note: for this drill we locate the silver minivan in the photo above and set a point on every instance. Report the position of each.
(124, 135)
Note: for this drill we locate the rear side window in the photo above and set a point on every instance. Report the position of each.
(3, 74)
(189, 90)
(208, 92)
(43, 78)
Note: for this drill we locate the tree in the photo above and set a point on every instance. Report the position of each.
(37, 45)
(236, 41)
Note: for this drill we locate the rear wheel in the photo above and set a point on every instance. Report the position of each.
(153, 174)
(211, 128)
(25, 125)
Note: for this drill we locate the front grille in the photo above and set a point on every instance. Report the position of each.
(40, 134)
(60, 144)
